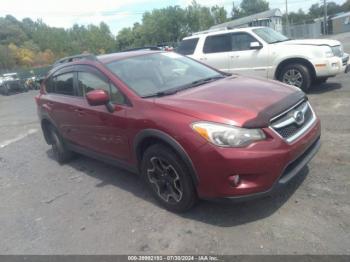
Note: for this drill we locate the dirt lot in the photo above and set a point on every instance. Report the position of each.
(88, 207)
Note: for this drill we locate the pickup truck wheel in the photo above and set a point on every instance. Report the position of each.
(60, 151)
(167, 177)
(296, 75)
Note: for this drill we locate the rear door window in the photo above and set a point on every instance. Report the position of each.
(187, 46)
(217, 44)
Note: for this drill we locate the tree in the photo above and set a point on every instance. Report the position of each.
(235, 12)
(297, 17)
(317, 10)
(346, 6)
(11, 31)
(249, 7)
(7, 61)
(198, 17)
(219, 14)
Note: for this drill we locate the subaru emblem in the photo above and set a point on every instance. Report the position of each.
(298, 117)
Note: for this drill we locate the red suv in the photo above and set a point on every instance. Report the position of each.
(189, 130)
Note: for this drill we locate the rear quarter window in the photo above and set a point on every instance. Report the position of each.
(187, 46)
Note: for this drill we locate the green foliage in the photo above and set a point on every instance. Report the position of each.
(29, 43)
(249, 7)
(316, 11)
(169, 25)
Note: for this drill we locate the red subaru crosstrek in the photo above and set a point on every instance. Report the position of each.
(189, 130)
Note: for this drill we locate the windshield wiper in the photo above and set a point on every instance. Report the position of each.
(279, 41)
(192, 84)
(161, 93)
(202, 81)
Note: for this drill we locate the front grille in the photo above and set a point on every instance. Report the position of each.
(338, 50)
(293, 123)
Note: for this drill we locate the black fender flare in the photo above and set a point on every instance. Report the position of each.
(168, 140)
(46, 119)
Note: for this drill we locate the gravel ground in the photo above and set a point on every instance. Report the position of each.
(88, 207)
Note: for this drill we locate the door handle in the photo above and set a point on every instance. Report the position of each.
(203, 58)
(234, 56)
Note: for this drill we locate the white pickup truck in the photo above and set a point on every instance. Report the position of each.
(263, 52)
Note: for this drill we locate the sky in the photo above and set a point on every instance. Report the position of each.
(117, 14)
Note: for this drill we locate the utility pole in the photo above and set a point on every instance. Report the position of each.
(325, 27)
(287, 20)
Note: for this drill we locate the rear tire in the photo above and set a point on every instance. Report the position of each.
(297, 75)
(59, 149)
(168, 179)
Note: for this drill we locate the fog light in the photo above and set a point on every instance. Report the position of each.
(234, 180)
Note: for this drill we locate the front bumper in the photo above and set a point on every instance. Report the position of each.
(289, 173)
(262, 167)
(332, 66)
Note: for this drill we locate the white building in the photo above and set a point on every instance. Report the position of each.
(271, 18)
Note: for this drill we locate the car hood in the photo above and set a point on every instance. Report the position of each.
(311, 42)
(235, 100)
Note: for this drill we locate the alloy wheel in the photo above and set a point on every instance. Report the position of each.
(293, 77)
(165, 180)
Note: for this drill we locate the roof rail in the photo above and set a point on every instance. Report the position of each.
(213, 30)
(142, 48)
(74, 58)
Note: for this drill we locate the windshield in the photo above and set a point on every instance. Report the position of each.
(160, 72)
(269, 35)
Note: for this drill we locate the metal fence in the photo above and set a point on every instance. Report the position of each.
(313, 30)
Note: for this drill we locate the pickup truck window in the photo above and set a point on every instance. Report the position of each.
(217, 43)
(187, 46)
(241, 41)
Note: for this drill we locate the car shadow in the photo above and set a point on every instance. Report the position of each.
(324, 88)
(219, 213)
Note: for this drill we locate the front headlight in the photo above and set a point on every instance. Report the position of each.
(328, 52)
(226, 135)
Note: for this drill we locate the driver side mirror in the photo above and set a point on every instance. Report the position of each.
(255, 45)
(99, 97)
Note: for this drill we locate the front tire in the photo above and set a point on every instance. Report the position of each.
(168, 179)
(296, 75)
(59, 149)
